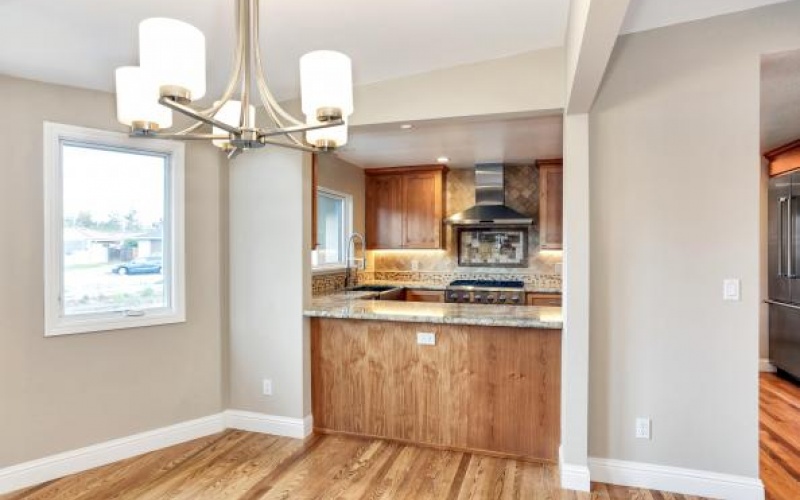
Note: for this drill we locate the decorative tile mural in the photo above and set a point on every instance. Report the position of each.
(479, 247)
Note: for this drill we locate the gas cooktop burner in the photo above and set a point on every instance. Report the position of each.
(486, 292)
(487, 284)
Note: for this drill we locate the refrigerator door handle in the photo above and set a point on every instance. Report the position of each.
(789, 240)
(782, 304)
(781, 201)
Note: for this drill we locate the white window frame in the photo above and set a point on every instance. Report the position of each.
(346, 229)
(56, 323)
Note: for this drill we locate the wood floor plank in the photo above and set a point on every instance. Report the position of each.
(238, 465)
(779, 431)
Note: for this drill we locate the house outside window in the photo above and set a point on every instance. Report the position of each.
(113, 231)
(334, 220)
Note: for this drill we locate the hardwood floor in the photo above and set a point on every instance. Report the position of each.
(237, 465)
(779, 430)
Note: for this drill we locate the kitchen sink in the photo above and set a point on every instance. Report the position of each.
(382, 292)
(371, 288)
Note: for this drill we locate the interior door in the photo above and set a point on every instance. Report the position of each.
(780, 204)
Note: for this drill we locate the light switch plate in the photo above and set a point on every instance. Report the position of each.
(731, 289)
(643, 428)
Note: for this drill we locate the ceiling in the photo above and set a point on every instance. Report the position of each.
(780, 99)
(80, 42)
(465, 142)
(649, 14)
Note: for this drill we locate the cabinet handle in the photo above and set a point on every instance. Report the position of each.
(781, 201)
(789, 238)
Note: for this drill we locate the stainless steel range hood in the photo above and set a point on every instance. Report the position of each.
(490, 200)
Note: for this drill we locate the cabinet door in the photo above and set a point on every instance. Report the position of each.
(544, 299)
(424, 296)
(422, 210)
(551, 193)
(384, 212)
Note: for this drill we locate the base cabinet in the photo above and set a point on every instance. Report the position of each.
(489, 389)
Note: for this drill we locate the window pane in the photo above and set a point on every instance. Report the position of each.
(330, 229)
(114, 225)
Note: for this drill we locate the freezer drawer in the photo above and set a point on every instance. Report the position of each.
(784, 337)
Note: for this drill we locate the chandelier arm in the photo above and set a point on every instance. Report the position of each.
(246, 27)
(189, 137)
(186, 110)
(233, 80)
(299, 128)
(300, 147)
(266, 94)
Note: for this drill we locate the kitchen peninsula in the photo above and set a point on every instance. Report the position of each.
(476, 377)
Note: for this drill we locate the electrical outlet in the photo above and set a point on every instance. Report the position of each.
(643, 428)
(267, 387)
(415, 265)
(424, 338)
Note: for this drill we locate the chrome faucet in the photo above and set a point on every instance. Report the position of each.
(348, 261)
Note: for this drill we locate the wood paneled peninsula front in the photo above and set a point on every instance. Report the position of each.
(490, 384)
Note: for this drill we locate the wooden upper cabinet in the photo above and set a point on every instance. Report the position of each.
(405, 207)
(551, 196)
(784, 159)
(383, 211)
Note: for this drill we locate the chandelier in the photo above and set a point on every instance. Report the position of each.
(171, 76)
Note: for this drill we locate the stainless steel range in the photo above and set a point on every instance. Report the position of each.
(486, 292)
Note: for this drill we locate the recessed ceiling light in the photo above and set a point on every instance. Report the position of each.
(406, 126)
(442, 159)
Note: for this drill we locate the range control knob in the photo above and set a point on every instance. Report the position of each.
(478, 297)
(501, 298)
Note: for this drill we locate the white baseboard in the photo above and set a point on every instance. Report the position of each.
(675, 479)
(765, 366)
(46, 469)
(573, 477)
(269, 424)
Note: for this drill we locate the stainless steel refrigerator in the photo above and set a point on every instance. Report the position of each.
(784, 273)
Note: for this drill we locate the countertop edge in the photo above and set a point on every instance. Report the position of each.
(489, 322)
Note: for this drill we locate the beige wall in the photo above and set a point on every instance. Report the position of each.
(103, 385)
(270, 228)
(339, 175)
(532, 82)
(675, 209)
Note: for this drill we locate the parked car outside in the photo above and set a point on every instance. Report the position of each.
(145, 265)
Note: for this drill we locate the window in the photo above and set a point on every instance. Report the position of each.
(334, 215)
(113, 231)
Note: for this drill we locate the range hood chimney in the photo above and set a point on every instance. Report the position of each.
(490, 198)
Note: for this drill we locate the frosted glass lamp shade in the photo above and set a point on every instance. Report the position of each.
(174, 52)
(137, 100)
(326, 81)
(230, 113)
(330, 137)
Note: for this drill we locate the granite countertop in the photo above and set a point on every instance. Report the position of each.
(351, 305)
(416, 285)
